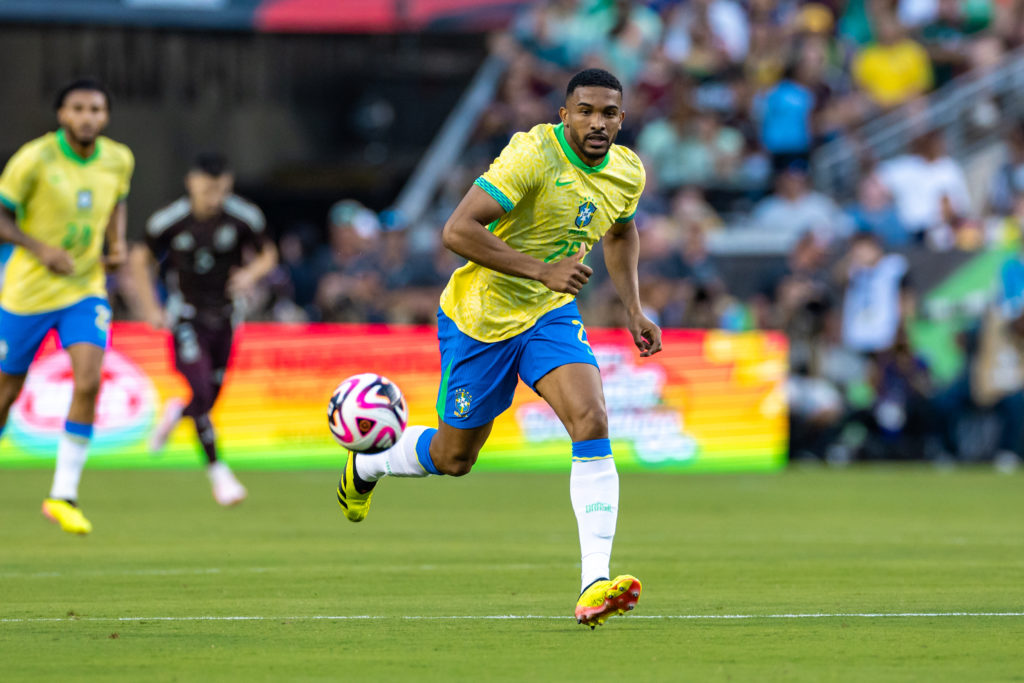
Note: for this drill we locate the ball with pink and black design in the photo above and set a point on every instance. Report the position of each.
(367, 413)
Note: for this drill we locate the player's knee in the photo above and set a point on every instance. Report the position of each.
(456, 468)
(589, 423)
(87, 388)
(201, 404)
(456, 463)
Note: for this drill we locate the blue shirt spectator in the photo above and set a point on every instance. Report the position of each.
(785, 118)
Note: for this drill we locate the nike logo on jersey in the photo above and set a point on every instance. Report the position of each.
(560, 183)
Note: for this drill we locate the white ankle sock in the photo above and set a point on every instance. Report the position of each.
(404, 459)
(594, 490)
(72, 451)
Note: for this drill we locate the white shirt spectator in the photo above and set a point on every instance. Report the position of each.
(918, 186)
(917, 13)
(811, 212)
(871, 308)
(728, 23)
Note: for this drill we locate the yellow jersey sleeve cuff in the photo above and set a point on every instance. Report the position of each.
(626, 219)
(9, 203)
(496, 194)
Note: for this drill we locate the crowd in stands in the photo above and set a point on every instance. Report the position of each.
(726, 101)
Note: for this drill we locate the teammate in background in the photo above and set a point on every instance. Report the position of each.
(205, 238)
(525, 227)
(63, 195)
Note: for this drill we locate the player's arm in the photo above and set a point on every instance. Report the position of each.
(56, 259)
(246, 277)
(142, 297)
(621, 256)
(467, 235)
(117, 245)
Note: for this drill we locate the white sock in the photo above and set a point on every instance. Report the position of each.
(594, 490)
(404, 459)
(72, 451)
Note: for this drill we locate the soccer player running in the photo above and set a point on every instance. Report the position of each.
(63, 196)
(525, 226)
(204, 239)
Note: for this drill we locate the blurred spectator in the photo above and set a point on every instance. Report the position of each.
(633, 32)
(894, 69)
(784, 115)
(717, 25)
(690, 148)
(795, 297)
(993, 380)
(876, 299)
(919, 181)
(946, 32)
(412, 282)
(874, 211)
(691, 211)
(901, 421)
(301, 277)
(1005, 231)
(766, 59)
(795, 209)
(347, 269)
(1008, 182)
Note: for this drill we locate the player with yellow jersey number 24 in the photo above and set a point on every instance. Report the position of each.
(62, 197)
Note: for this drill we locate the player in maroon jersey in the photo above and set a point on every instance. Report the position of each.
(214, 248)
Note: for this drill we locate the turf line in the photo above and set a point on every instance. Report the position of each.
(364, 617)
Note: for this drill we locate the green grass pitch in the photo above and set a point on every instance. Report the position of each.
(148, 596)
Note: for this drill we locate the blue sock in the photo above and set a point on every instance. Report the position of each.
(594, 449)
(79, 429)
(423, 450)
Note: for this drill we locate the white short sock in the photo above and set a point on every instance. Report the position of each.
(594, 490)
(72, 451)
(401, 460)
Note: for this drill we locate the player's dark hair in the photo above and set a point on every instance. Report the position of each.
(90, 84)
(211, 163)
(595, 77)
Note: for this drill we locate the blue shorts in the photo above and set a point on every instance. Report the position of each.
(479, 378)
(87, 321)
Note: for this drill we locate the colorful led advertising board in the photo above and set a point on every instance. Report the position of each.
(710, 401)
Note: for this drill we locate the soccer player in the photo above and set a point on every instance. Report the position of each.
(63, 196)
(525, 226)
(204, 238)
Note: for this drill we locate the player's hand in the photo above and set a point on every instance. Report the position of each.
(117, 254)
(56, 259)
(646, 335)
(568, 275)
(241, 282)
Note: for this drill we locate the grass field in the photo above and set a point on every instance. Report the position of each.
(171, 588)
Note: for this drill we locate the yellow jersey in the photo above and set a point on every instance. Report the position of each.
(63, 200)
(554, 203)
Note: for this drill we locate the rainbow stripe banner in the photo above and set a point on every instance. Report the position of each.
(710, 401)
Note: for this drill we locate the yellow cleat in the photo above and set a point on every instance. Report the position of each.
(67, 515)
(353, 502)
(606, 598)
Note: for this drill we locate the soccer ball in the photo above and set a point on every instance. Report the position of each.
(367, 413)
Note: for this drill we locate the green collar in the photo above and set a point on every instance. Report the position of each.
(70, 153)
(574, 158)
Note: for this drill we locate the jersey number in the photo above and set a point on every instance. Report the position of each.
(77, 236)
(564, 247)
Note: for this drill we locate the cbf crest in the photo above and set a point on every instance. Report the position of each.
(84, 200)
(462, 402)
(586, 212)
